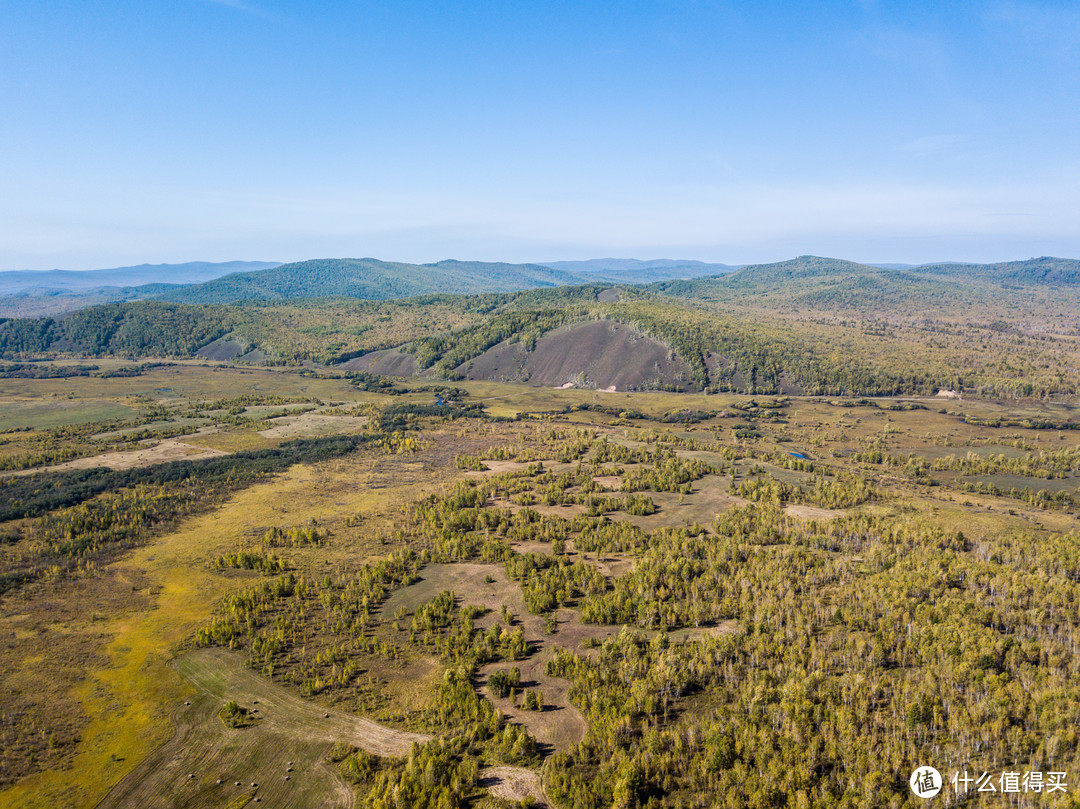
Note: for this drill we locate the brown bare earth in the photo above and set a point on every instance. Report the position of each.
(503, 467)
(598, 354)
(609, 563)
(497, 468)
(812, 512)
(312, 424)
(611, 483)
(223, 348)
(290, 737)
(513, 784)
(388, 362)
(564, 510)
(170, 449)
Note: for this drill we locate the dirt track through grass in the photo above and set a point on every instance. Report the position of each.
(207, 764)
(170, 449)
(289, 729)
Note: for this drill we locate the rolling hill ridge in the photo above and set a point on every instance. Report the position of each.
(371, 279)
(807, 326)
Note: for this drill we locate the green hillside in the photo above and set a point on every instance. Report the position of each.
(1033, 271)
(835, 288)
(635, 271)
(795, 276)
(370, 279)
(819, 334)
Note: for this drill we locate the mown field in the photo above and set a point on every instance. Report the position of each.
(565, 596)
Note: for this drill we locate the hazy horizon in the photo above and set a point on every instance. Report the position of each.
(152, 264)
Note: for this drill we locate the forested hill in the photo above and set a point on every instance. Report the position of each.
(826, 285)
(1012, 342)
(635, 271)
(810, 325)
(836, 287)
(807, 270)
(1047, 270)
(371, 279)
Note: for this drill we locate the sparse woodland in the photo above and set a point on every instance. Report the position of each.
(767, 601)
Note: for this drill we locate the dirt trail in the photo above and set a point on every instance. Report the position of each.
(280, 759)
(170, 449)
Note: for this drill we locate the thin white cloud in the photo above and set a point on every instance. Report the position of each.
(932, 144)
(239, 5)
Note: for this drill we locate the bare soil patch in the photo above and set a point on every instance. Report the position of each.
(169, 449)
(221, 349)
(597, 354)
(609, 563)
(504, 467)
(812, 512)
(565, 510)
(560, 724)
(497, 468)
(280, 758)
(388, 362)
(513, 784)
(307, 425)
(709, 497)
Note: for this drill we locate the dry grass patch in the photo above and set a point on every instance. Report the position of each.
(560, 724)
(812, 512)
(124, 683)
(513, 784)
(170, 449)
(290, 738)
(308, 425)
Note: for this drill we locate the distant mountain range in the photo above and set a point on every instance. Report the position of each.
(831, 286)
(192, 272)
(815, 281)
(636, 271)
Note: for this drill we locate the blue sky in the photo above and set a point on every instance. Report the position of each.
(176, 130)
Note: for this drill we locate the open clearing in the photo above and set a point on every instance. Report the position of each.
(38, 415)
(560, 724)
(308, 425)
(170, 449)
(289, 731)
(812, 512)
(513, 784)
